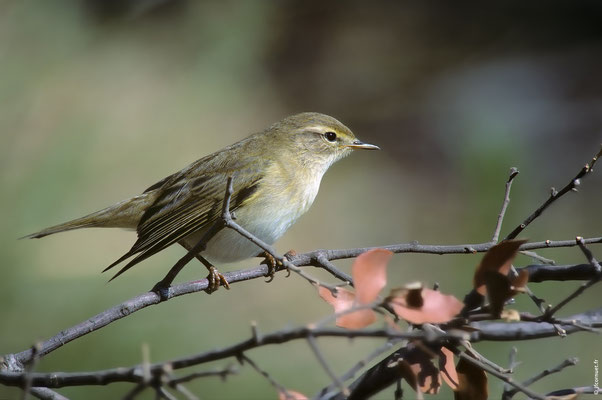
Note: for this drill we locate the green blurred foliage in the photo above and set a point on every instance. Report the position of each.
(100, 99)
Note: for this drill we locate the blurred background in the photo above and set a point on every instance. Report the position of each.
(102, 98)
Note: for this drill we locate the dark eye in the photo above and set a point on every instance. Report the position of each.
(330, 136)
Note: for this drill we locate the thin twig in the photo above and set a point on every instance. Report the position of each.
(512, 364)
(555, 195)
(575, 390)
(473, 353)
(335, 379)
(538, 257)
(267, 376)
(566, 363)
(583, 287)
(501, 376)
(588, 254)
(323, 262)
(30, 368)
(500, 218)
(357, 367)
(222, 373)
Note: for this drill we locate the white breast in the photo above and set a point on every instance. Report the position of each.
(268, 218)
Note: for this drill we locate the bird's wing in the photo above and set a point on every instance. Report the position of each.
(189, 201)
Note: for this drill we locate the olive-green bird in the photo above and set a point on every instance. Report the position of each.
(276, 175)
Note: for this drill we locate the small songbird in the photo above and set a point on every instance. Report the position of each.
(275, 175)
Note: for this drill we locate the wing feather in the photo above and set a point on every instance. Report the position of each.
(188, 202)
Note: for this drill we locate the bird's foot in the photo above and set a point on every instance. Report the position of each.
(216, 279)
(273, 264)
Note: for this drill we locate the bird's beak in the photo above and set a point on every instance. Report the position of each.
(357, 144)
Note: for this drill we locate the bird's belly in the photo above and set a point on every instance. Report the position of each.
(268, 223)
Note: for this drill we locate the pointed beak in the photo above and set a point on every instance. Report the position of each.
(357, 144)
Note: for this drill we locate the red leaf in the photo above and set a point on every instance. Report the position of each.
(447, 367)
(369, 273)
(356, 319)
(497, 259)
(344, 300)
(436, 307)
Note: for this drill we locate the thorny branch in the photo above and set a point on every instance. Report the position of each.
(14, 372)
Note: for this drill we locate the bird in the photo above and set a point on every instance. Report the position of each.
(275, 176)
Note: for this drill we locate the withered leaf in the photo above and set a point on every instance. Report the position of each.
(497, 259)
(472, 382)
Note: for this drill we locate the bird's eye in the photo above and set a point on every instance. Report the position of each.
(330, 136)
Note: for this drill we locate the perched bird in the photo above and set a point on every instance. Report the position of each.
(275, 175)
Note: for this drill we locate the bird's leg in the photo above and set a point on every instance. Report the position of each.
(215, 278)
(163, 285)
(272, 263)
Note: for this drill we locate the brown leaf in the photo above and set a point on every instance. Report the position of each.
(369, 273)
(447, 368)
(436, 307)
(520, 282)
(472, 382)
(497, 259)
(291, 395)
(344, 300)
(499, 290)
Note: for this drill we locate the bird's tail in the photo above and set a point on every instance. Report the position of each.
(125, 214)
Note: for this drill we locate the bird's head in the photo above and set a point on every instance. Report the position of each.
(316, 140)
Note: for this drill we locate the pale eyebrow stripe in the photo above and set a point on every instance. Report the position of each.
(317, 128)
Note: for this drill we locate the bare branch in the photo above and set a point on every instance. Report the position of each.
(134, 374)
(584, 286)
(576, 390)
(501, 331)
(566, 363)
(265, 374)
(46, 394)
(500, 219)
(357, 367)
(555, 195)
(316, 350)
(150, 298)
(504, 377)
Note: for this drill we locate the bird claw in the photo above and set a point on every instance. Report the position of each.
(273, 263)
(216, 279)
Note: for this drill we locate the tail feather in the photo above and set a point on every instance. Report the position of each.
(125, 214)
(83, 222)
